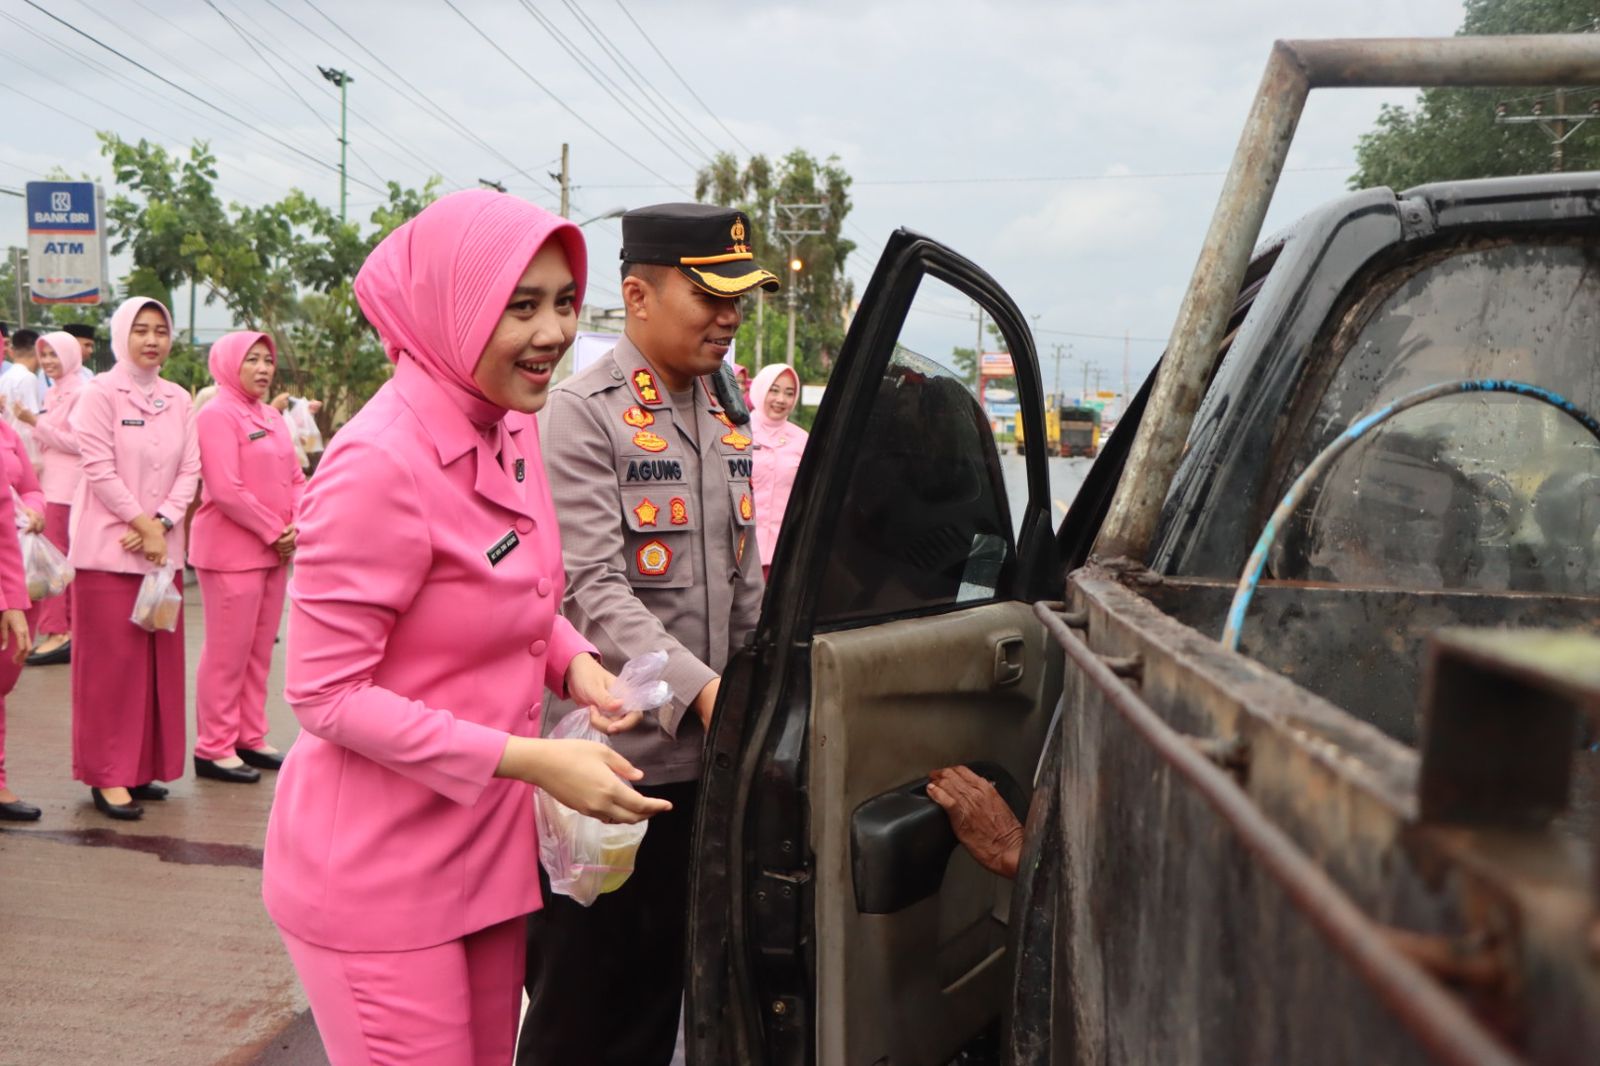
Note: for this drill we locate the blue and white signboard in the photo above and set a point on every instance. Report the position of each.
(66, 242)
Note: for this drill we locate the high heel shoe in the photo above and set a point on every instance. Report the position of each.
(122, 812)
(17, 811)
(234, 775)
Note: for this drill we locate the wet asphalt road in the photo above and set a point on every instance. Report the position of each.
(1066, 477)
(147, 941)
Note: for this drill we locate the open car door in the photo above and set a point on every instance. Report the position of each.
(834, 918)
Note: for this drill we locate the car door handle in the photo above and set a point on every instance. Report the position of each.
(1010, 660)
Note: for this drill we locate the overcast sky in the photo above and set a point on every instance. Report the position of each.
(937, 108)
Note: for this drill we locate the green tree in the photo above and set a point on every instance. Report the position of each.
(1452, 133)
(285, 268)
(824, 294)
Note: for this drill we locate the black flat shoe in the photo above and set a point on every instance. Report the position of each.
(152, 791)
(122, 812)
(234, 775)
(63, 654)
(261, 760)
(17, 811)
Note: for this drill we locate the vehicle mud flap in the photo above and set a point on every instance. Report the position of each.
(1030, 1017)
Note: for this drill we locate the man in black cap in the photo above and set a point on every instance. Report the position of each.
(651, 479)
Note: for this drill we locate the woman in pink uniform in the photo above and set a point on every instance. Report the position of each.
(242, 539)
(17, 470)
(61, 358)
(141, 467)
(401, 855)
(779, 445)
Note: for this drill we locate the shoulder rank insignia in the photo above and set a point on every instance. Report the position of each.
(738, 558)
(679, 511)
(650, 442)
(722, 416)
(644, 386)
(646, 512)
(638, 417)
(736, 440)
(747, 510)
(653, 558)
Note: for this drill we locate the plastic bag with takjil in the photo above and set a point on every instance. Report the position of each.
(156, 606)
(584, 856)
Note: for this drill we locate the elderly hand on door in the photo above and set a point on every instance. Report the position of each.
(982, 820)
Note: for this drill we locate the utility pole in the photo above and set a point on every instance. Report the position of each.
(18, 258)
(1083, 397)
(761, 322)
(795, 228)
(566, 183)
(1127, 397)
(342, 80)
(1559, 127)
(1055, 379)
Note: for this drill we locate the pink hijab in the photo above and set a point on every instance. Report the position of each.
(436, 287)
(765, 430)
(122, 329)
(227, 356)
(70, 353)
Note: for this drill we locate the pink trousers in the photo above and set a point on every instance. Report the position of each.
(127, 687)
(455, 1004)
(9, 672)
(243, 609)
(55, 613)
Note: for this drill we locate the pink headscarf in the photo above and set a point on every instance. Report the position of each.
(122, 329)
(70, 353)
(436, 287)
(227, 356)
(764, 428)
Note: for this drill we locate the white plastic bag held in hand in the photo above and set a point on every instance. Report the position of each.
(584, 856)
(47, 569)
(156, 606)
(639, 686)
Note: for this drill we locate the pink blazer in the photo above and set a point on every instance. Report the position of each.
(17, 468)
(18, 472)
(138, 458)
(251, 484)
(58, 448)
(422, 632)
(773, 464)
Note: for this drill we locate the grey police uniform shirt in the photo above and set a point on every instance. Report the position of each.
(658, 537)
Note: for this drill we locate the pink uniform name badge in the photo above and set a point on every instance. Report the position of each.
(502, 548)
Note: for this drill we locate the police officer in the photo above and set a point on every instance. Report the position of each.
(651, 479)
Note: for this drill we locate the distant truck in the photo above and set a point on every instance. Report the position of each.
(1069, 431)
(1079, 431)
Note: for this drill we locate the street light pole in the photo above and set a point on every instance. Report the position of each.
(794, 298)
(342, 80)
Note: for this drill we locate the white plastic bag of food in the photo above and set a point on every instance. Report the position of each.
(584, 856)
(639, 685)
(48, 571)
(156, 606)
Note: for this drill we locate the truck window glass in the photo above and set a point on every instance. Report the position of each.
(925, 523)
(1490, 493)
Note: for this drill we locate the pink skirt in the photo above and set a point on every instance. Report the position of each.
(127, 687)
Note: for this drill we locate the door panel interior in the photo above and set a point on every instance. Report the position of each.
(889, 703)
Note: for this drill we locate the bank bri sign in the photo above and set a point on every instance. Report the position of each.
(66, 242)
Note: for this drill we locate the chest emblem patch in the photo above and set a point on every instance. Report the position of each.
(644, 387)
(679, 511)
(653, 558)
(739, 555)
(646, 512)
(747, 510)
(521, 469)
(638, 417)
(736, 440)
(650, 442)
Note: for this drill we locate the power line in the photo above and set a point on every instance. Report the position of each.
(542, 88)
(168, 81)
(603, 80)
(646, 87)
(1005, 179)
(690, 89)
(419, 99)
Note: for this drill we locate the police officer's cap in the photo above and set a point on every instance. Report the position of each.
(709, 245)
